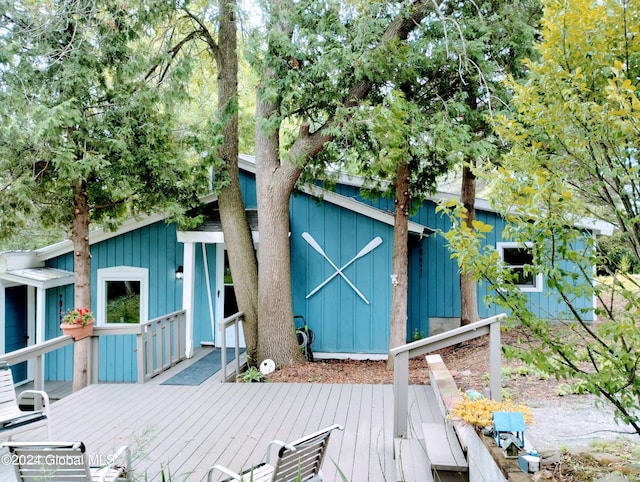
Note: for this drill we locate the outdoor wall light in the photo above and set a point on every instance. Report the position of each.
(179, 272)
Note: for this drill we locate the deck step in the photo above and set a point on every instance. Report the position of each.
(412, 464)
(443, 448)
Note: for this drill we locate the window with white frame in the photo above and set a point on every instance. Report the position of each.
(516, 256)
(123, 294)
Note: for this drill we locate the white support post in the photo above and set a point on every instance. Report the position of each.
(38, 381)
(400, 394)
(495, 369)
(188, 294)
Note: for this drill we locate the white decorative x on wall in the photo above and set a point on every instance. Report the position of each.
(370, 246)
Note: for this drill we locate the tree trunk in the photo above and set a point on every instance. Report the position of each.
(237, 233)
(277, 339)
(400, 276)
(275, 182)
(468, 285)
(82, 271)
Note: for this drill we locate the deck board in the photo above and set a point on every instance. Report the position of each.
(187, 429)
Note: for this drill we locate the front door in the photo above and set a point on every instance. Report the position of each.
(226, 303)
(16, 331)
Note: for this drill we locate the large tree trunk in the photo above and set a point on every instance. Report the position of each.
(275, 182)
(237, 233)
(82, 271)
(276, 334)
(468, 285)
(400, 263)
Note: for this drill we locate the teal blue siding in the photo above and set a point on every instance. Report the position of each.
(342, 321)
(15, 335)
(154, 247)
(248, 187)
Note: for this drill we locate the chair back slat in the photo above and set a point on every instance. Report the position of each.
(302, 459)
(9, 408)
(55, 462)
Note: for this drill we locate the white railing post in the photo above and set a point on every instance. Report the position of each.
(38, 382)
(495, 368)
(400, 393)
(142, 372)
(402, 354)
(224, 324)
(94, 357)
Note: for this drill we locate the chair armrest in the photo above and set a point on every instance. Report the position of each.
(43, 395)
(225, 471)
(106, 471)
(267, 455)
(122, 450)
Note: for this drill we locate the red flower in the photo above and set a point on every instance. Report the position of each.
(78, 316)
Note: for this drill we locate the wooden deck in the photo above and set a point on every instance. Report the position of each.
(186, 429)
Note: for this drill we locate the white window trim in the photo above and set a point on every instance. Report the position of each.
(122, 273)
(537, 279)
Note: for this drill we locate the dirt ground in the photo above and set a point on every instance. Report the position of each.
(467, 361)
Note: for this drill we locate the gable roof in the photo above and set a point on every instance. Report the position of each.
(247, 164)
(211, 231)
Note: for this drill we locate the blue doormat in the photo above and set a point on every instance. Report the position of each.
(202, 369)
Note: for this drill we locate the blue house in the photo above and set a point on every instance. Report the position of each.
(341, 251)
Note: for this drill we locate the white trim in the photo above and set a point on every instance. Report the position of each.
(219, 310)
(36, 301)
(538, 284)
(208, 237)
(350, 356)
(122, 273)
(247, 163)
(41, 278)
(188, 296)
(207, 278)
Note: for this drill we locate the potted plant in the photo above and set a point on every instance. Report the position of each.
(78, 323)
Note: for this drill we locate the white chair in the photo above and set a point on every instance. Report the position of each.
(297, 461)
(11, 417)
(63, 462)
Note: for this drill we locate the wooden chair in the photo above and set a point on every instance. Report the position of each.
(297, 461)
(63, 462)
(11, 417)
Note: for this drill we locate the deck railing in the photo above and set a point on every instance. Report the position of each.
(233, 320)
(402, 354)
(38, 352)
(160, 344)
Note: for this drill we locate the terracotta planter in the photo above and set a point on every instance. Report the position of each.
(78, 332)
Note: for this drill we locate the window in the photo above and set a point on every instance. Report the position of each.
(123, 294)
(516, 256)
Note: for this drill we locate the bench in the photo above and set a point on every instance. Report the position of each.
(411, 461)
(443, 448)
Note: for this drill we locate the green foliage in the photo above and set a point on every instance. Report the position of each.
(75, 106)
(572, 139)
(417, 335)
(617, 255)
(433, 94)
(251, 375)
(124, 309)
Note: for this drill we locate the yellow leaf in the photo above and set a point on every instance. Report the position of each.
(481, 227)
